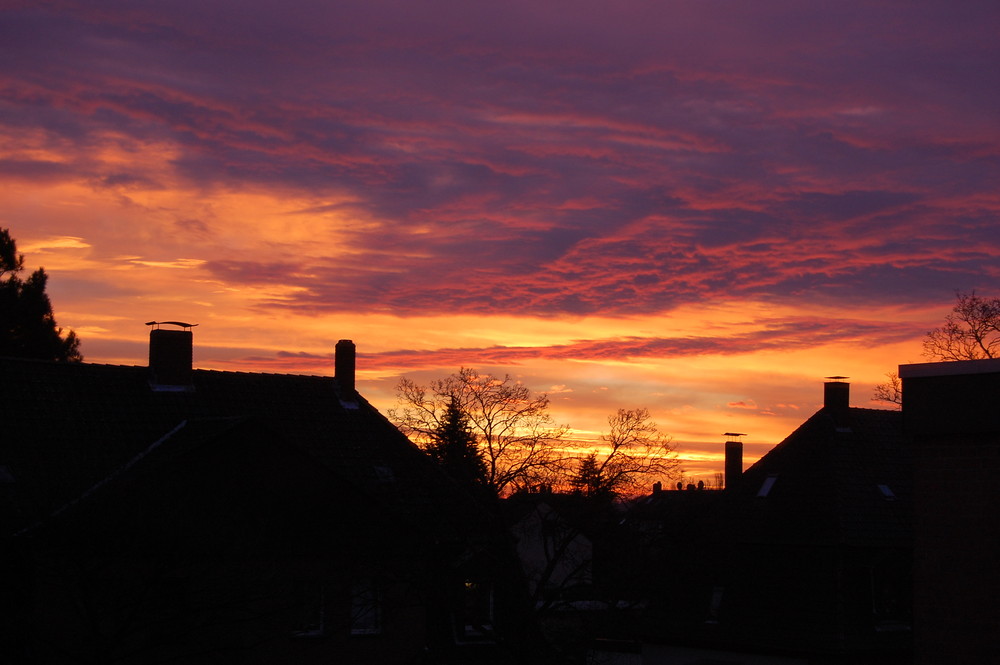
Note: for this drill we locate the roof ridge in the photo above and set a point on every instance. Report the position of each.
(236, 372)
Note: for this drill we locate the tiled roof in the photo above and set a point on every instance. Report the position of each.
(819, 534)
(843, 476)
(70, 427)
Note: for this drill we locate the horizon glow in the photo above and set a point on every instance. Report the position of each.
(701, 208)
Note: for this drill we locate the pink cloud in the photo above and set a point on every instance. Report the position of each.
(518, 159)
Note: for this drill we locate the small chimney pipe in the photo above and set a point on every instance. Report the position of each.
(344, 366)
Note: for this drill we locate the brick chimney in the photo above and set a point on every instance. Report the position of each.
(734, 460)
(343, 368)
(171, 354)
(836, 393)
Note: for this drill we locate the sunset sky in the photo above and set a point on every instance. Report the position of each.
(701, 207)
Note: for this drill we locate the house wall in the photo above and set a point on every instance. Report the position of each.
(957, 533)
(935, 403)
(247, 611)
(951, 411)
(256, 565)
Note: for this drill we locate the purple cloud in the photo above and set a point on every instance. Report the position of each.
(542, 158)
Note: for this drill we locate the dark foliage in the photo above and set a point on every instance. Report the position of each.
(454, 447)
(27, 327)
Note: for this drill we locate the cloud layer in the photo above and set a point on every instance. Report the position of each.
(823, 162)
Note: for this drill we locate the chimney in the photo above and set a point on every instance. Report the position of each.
(343, 367)
(734, 459)
(836, 393)
(171, 355)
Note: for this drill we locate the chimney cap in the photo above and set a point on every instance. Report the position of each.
(836, 378)
(180, 324)
(734, 434)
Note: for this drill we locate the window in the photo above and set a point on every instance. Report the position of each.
(384, 474)
(309, 609)
(887, 492)
(891, 594)
(715, 604)
(366, 608)
(475, 620)
(768, 483)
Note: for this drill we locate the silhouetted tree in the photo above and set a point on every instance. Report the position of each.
(890, 391)
(513, 429)
(970, 332)
(635, 451)
(27, 327)
(587, 478)
(453, 446)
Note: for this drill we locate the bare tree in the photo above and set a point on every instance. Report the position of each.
(890, 391)
(970, 332)
(634, 451)
(555, 554)
(512, 427)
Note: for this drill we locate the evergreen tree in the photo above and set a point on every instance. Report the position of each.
(27, 327)
(454, 447)
(587, 478)
(515, 434)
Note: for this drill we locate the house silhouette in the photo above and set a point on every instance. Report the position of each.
(805, 558)
(165, 512)
(950, 412)
(866, 536)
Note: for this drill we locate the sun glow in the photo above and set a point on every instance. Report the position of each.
(704, 228)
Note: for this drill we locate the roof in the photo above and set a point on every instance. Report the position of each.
(843, 476)
(950, 368)
(819, 535)
(72, 427)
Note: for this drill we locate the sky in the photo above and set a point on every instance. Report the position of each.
(697, 207)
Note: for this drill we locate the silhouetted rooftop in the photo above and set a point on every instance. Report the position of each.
(68, 428)
(843, 475)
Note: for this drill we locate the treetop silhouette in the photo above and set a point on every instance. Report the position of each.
(28, 328)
